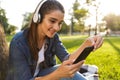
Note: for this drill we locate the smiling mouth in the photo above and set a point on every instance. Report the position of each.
(52, 31)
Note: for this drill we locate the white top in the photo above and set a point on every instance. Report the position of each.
(40, 59)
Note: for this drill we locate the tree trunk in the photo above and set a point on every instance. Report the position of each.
(3, 54)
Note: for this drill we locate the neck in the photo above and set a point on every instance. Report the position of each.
(41, 36)
(41, 40)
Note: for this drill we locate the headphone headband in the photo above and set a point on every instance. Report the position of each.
(37, 16)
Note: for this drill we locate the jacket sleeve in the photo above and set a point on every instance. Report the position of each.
(60, 49)
(18, 65)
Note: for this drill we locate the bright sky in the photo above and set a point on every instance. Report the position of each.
(16, 8)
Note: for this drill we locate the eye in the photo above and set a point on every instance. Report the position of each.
(52, 21)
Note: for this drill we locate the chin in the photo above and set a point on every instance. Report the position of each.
(51, 36)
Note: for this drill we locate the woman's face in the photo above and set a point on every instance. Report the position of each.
(51, 23)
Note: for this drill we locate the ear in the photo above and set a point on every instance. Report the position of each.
(37, 15)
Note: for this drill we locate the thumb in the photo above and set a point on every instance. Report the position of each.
(91, 39)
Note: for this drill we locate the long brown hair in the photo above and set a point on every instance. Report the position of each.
(32, 35)
(3, 54)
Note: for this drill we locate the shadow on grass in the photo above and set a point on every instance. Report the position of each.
(114, 46)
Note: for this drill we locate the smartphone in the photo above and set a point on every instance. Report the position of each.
(84, 54)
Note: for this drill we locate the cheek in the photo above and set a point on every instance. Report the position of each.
(46, 24)
(46, 27)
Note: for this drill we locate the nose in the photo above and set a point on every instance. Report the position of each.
(57, 27)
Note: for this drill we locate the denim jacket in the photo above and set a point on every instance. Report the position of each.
(20, 60)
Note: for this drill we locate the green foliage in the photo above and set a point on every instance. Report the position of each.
(79, 27)
(11, 29)
(79, 14)
(3, 19)
(89, 2)
(107, 58)
(65, 28)
(27, 18)
(76, 5)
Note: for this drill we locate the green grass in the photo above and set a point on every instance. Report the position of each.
(9, 37)
(107, 58)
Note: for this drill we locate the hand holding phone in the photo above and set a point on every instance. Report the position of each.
(84, 54)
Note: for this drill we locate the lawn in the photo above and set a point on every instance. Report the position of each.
(107, 58)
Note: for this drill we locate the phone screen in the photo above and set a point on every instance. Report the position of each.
(84, 54)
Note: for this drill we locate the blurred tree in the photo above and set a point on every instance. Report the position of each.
(89, 2)
(65, 29)
(11, 29)
(3, 54)
(112, 22)
(3, 19)
(4, 22)
(95, 4)
(80, 15)
(27, 17)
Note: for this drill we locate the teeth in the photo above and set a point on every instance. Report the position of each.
(50, 29)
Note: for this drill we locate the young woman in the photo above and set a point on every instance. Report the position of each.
(32, 51)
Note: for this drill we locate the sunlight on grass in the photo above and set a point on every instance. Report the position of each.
(107, 58)
(73, 37)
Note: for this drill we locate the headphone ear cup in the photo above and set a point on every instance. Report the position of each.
(39, 18)
(35, 18)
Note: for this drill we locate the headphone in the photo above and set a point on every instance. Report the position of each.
(37, 16)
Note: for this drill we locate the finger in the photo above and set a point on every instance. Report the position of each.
(76, 67)
(98, 41)
(100, 44)
(91, 39)
(79, 64)
(68, 62)
(73, 71)
(71, 75)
